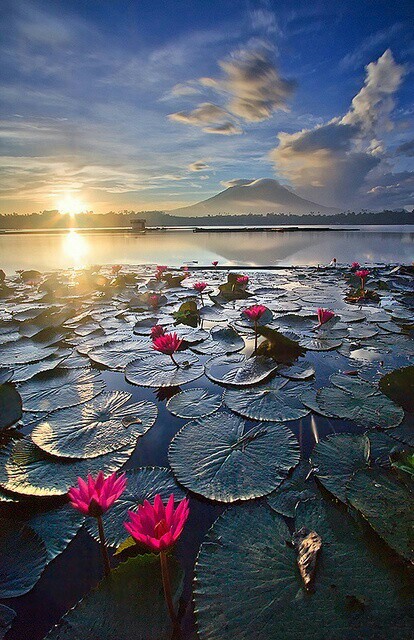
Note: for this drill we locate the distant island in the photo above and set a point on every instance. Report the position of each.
(55, 220)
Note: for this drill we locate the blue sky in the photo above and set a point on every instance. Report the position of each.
(146, 104)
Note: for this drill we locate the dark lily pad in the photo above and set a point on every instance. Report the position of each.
(320, 343)
(26, 469)
(336, 458)
(194, 403)
(67, 389)
(10, 405)
(399, 386)
(375, 411)
(7, 616)
(387, 505)
(56, 527)
(191, 335)
(108, 423)
(159, 370)
(277, 400)
(129, 604)
(353, 384)
(116, 355)
(22, 559)
(217, 459)
(222, 340)
(237, 370)
(301, 370)
(24, 372)
(300, 485)
(259, 593)
(143, 483)
(6, 375)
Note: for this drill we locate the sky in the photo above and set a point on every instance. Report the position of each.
(142, 105)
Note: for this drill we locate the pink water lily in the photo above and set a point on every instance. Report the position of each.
(168, 343)
(355, 266)
(215, 263)
(157, 331)
(199, 286)
(254, 313)
(242, 280)
(162, 268)
(158, 527)
(362, 274)
(324, 315)
(94, 497)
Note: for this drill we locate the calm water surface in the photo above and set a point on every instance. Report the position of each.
(46, 251)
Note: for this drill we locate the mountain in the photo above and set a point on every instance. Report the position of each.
(255, 196)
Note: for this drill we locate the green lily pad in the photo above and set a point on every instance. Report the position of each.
(217, 459)
(143, 483)
(56, 527)
(23, 373)
(6, 374)
(10, 405)
(116, 355)
(302, 370)
(353, 384)
(399, 386)
(336, 458)
(300, 485)
(277, 400)
(108, 423)
(129, 604)
(320, 343)
(247, 584)
(405, 462)
(222, 340)
(22, 559)
(26, 469)
(160, 371)
(23, 351)
(66, 389)
(194, 403)
(375, 411)
(387, 505)
(235, 369)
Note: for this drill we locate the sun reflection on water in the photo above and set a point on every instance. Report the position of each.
(76, 248)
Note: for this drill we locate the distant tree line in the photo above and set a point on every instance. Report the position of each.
(55, 220)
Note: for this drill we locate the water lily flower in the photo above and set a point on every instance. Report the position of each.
(254, 313)
(158, 527)
(215, 263)
(362, 274)
(355, 266)
(116, 268)
(200, 286)
(168, 343)
(157, 331)
(162, 267)
(242, 280)
(324, 315)
(154, 300)
(94, 497)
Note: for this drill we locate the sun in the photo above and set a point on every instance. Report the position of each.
(71, 205)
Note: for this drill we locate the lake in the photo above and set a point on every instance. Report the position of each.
(45, 251)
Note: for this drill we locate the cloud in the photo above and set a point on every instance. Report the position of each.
(330, 162)
(407, 148)
(392, 189)
(225, 129)
(205, 113)
(264, 20)
(236, 182)
(200, 165)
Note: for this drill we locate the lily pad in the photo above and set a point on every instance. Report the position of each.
(336, 458)
(129, 604)
(10, 405)
(116, 355)
(159, 370)
(302, 370)
(300, 485)
(281, 348)
(216, 458)
(277, 400)
(259, 594)
(56, 527)
(222, 340)
(22, 560)
(320, 343)
(7, 616)
(26, 469)
(108, 423)
(399, 386)
(387, 505)
(194, 403)
(67, 389)
(375, 411)
(6, 374)
(143, 483)
(237, 370)
(22, 352)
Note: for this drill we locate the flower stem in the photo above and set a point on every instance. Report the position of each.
(104, 550)
(255, 336)
(166, 583)
(175, 361)
(202, 301)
